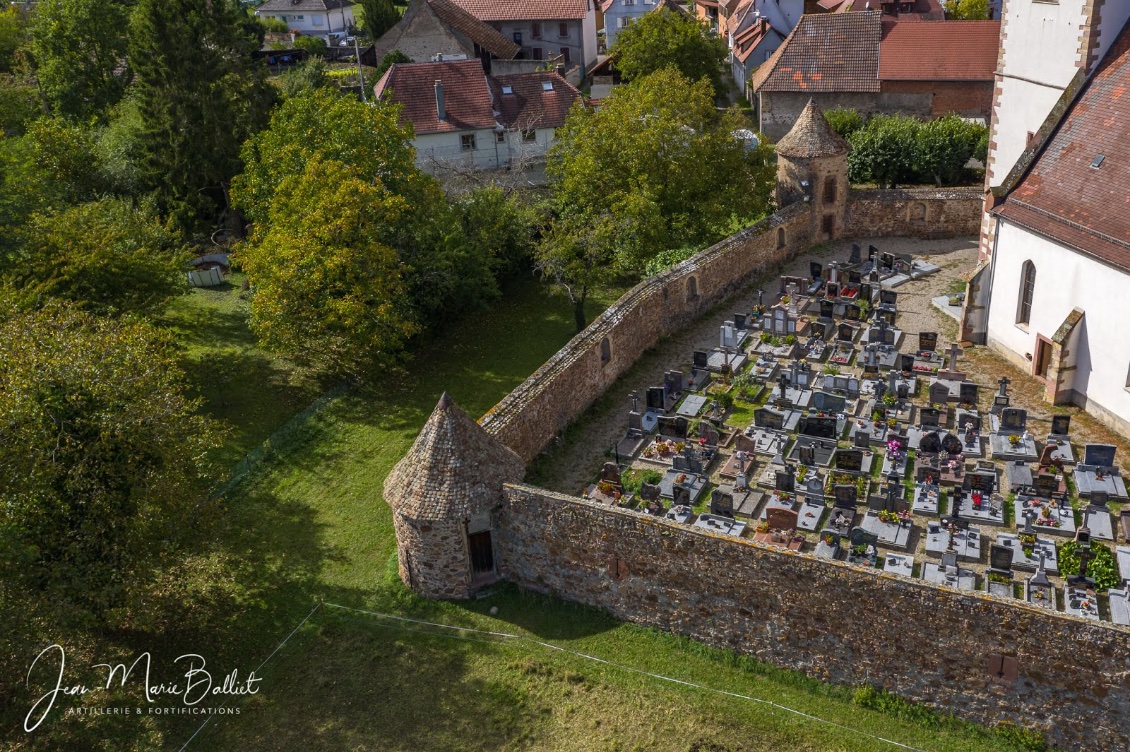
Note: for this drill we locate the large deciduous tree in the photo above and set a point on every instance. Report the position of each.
(378, 16)
(656, 167)
(666, 38)
(199, 96)
(79, 48)
(103, 459)
(108, 257)
(328, 289)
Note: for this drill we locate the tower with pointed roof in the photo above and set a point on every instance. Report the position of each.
(442, 495)
(812, 167)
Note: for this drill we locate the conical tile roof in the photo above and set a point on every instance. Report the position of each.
(811, 136)
(454, 469)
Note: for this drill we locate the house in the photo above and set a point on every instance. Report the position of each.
(431, 28)
(464, 119)
(878, 66)
(1059, 263)
(754, 32)
(619, 13)
(902, 10)
(543, 28)
(312, 17)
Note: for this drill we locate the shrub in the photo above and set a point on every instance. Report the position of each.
(312, 45)
(884, 151)
(273, 24)
(844, 121)
(945, 146)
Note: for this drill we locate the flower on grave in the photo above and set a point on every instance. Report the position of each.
(1013, 439)
(828, 539)
(680, 446)
(681, 478)
(584, 493)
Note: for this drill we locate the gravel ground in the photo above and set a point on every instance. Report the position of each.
(576, 459)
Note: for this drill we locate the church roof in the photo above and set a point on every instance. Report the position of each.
(1076, 189)
(811, 136)
(454, 469)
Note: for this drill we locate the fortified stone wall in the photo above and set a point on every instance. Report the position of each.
(528, 418)
(914, 212)
(833, 621)
(578, 374)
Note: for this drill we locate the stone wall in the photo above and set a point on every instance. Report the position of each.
(914, 212)
(832, 621)
(578, 374)
(433, 557)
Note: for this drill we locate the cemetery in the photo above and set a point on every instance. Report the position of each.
(877, 459)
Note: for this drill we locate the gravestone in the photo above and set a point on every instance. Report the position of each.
(833, 290)
(739, 321)
(1099, 499)
(849, 459)
(707, 431)
(680, 495)
(769, 419)
(939, 393)
(822, 428)
(888, 297)
(861, 537)
(930, 443)
(813, 488)
(673, 382)
(1045, 485)
(983, 482)
(610, 472)
(1099, 455)
(649, 491)
(929, 417)
(902, 391)
(845, 333)
(727, 336)
(856, 254)
(885, 315)
(635, 422)
(906, 363)
(968, 392)
(656, 398)
(700, 359)
(827, 309)
(862, 440)
(846, 495)
(872, 251)
(970, 435)
(865, 292)
(785, 480)
(675, 427)
(721, 503)
(951, 444)
(780, 518)
(928, 342)
(829, 403)
(1061, 425)
(807, 455)
(815, 270)
(1014, 420)
(852, 312)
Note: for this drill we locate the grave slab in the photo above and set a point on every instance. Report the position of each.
(925, 499)
(989, 512)
(894, 535)
(1063, 448)
(1122, 553)
(955, 577)
(1042, 595)
(773, 500)
(1026, 562)
(680, 513)
(719, 524)
(767, 442)
(1050, 518)
(967, 543)
(692, 405)
(1078, 601)
(1120, 607)
(719, 360)
(899, 564)
(695, 484)
(1000, 448)
(1089, 479)
(1098, 521)
(810, 514)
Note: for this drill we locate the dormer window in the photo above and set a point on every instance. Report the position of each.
(545, 86)
(507, 89)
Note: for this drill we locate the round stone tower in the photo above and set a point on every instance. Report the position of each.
(812, 167)
(442, 493)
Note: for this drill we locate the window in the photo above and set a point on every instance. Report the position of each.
(536, 32)
(1027, 286)
(562, 29)
(319, 21)
(518, 37)
(537, 53)
(829, 224)
(629, 2)
(467, 141)
(565, 54)
(605, 351)
(692, 289)
(780, 237)
(530, 135)
(622, 22)
(830, 189)
(547, 86)
(506, 89)
(500, 137)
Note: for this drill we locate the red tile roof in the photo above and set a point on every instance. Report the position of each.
(749, 38)
(478, 32)
(939, 50)
(530, 105)
(524, 10)
(826, 52)
(1063, 197)
(466, 97)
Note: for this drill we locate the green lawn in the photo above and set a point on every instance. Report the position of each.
(312, 526)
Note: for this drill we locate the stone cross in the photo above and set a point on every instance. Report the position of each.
(635, 398)
(953, 353)
(1003, 383)
(792, 289)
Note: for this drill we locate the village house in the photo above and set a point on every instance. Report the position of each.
(1049, 295)
(754, 32)
(544, 29)
(464, 119)
(874, 65)
(440, 28)
(318, 18)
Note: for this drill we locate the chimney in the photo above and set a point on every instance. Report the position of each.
(441, 113)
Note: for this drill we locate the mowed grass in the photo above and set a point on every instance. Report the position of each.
(312, 526)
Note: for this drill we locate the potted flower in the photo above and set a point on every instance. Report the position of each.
(828, 539)
(1013, 439)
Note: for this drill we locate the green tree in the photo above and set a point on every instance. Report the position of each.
(664, 38)
(314, 46)
(497, 226)
(945, 146)
(108, 257)
(303, 79)
(670, 170)
(103, 459)
(390, 59)
(326, 287)
(884, 151)
(19, 104)
(79, 48)
(378, 16)
(270, 23)
(967, 10)
(844, 121)
(13, 35)
(199, 95)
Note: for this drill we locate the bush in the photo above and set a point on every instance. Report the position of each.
(844, 121)
(945, 146)
(1102, 567)
(664, 260)
(312, 45)
(884, 151)
(270, 23)
(389, 60)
